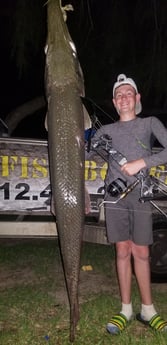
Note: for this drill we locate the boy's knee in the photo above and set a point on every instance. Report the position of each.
(123, 251)
(140, 252)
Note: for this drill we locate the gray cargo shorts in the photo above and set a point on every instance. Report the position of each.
(129, 219)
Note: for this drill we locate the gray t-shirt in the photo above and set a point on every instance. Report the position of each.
(134, 140)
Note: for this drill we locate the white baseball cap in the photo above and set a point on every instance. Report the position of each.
(123, 80)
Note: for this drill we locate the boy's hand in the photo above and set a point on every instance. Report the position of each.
(133, 167)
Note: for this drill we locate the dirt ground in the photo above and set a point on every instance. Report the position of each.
(91, 282)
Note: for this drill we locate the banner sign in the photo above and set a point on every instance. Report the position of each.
(24, 175)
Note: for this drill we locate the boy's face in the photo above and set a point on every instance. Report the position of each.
(125, 99)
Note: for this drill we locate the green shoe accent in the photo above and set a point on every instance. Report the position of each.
(117, 324)
(156, 322)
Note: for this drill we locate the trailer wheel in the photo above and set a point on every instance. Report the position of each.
(158, 251)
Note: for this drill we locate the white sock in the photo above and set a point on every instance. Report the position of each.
(127, 310)
(147, 311)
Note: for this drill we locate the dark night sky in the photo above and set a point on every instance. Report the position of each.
(13, 89)
(105, 49)
(16, 90)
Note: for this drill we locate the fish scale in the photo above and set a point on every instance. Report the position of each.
(67, 181)
(65, 122)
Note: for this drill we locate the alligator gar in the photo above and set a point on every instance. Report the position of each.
(65, 121)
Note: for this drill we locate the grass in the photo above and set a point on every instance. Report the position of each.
(31, 313)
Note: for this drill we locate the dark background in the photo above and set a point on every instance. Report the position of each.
(111, 37)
